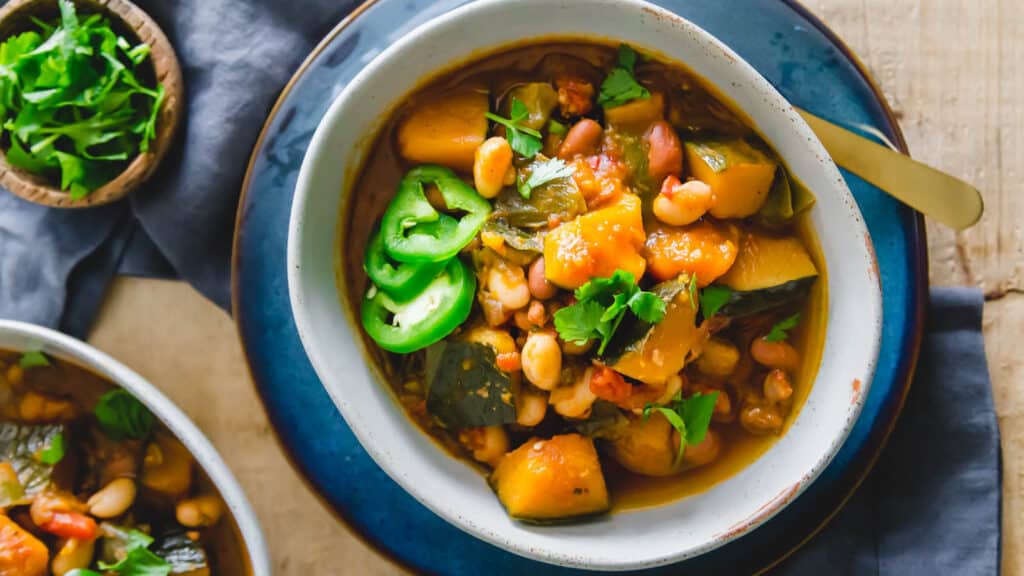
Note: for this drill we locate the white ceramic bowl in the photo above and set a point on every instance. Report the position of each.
(451, 488)
(19, 336)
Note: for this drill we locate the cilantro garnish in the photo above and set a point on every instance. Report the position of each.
(544, 172)
(121, 415)
(54, 452)
(713, 298)
(780, 331)
(139, 560)
(619, 87)
(690, 417)
(71, 104)
(33, 359)
(525, 141)
(601, 305)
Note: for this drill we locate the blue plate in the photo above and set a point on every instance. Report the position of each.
(795, 51)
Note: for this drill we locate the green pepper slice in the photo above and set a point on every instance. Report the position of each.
(404, 327)
(415, 232)
(401, 280)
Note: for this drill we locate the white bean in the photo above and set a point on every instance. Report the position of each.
(542, 360)
(680, 204)
(508, 285)
(113, 499)
(73, 554)
(574, 401)
(491, 165)
(199, 512)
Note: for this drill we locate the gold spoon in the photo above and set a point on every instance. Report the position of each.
(945, 198)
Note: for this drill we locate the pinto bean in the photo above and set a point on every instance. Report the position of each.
(664, 152)
(582, 138)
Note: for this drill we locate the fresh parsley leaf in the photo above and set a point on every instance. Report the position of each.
(543, 173)
(72, 107)
(579, 323)
(696, 412)
(139, 562)
(33, 359)
(619, 87)
(557, 128)
(121, 415)
(602, 304)
(713, 298)
(648, 307)
(691, 417)
(524, 141)
(780, 331)
(54, 452)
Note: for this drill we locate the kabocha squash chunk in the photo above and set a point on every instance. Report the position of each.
(654, 353)
(740, 175)
(705, 249)
(21, 553)
(768, 272)
(637, 115)
(445, 130)
(596, 244)
(647, 446)
(554, 479)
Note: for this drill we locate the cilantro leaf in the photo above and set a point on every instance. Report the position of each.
(578, 323)
(524, 141)
(72, 107)
(602, 304)
(779, 331)
(544, 172)
(83, 572)
(33, 359)
(121, 415)
(139, 562)
(54, 452)
(713, 298)
(691, 417)
(619, 87)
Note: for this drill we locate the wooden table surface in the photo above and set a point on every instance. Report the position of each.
(952, 70)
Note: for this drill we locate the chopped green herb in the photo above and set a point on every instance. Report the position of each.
(692, 290)
(139, 561)
(54, 452)
(713, 298)
(544, 172)
(525, 141)
(71, 104)
(121, 415)
(601, 305)
(83, 572)
(33, 359)
(780, 331)
(691, 417)
(557, 128)
(619, 87)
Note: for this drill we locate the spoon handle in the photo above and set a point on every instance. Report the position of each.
(945, 198)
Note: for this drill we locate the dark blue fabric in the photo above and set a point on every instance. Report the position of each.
(932, 504)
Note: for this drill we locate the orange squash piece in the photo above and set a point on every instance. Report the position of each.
(741, 188)
(21, 553)
(445, 130)
(638, 115)
(706, 249)
(554, 479)
(596, 244)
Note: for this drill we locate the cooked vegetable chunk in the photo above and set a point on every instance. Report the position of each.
(768, 272)
(465, 387)
(647, 446)
(637, 115)
(654, 353)
(706, 249)
(22, 446)
(446, 130)
(167, 467)
(596, 244)
(185, 556)
(552, 479)
(740, 175)
(21, 553)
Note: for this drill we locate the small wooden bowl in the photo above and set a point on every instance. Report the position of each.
(129, 18)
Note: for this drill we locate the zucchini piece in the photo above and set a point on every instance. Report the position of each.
(739, 174)
(21, 444)
(652, 353)
(769, 272)
(465, 389)
(186, 556)
(552, 480)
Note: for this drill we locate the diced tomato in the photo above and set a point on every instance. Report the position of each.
(70, 525)
(609, 385)
(509, 362)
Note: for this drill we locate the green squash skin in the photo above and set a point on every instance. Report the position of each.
(753, 301)
(632, 334)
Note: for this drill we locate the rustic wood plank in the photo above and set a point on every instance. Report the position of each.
(952, 69)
